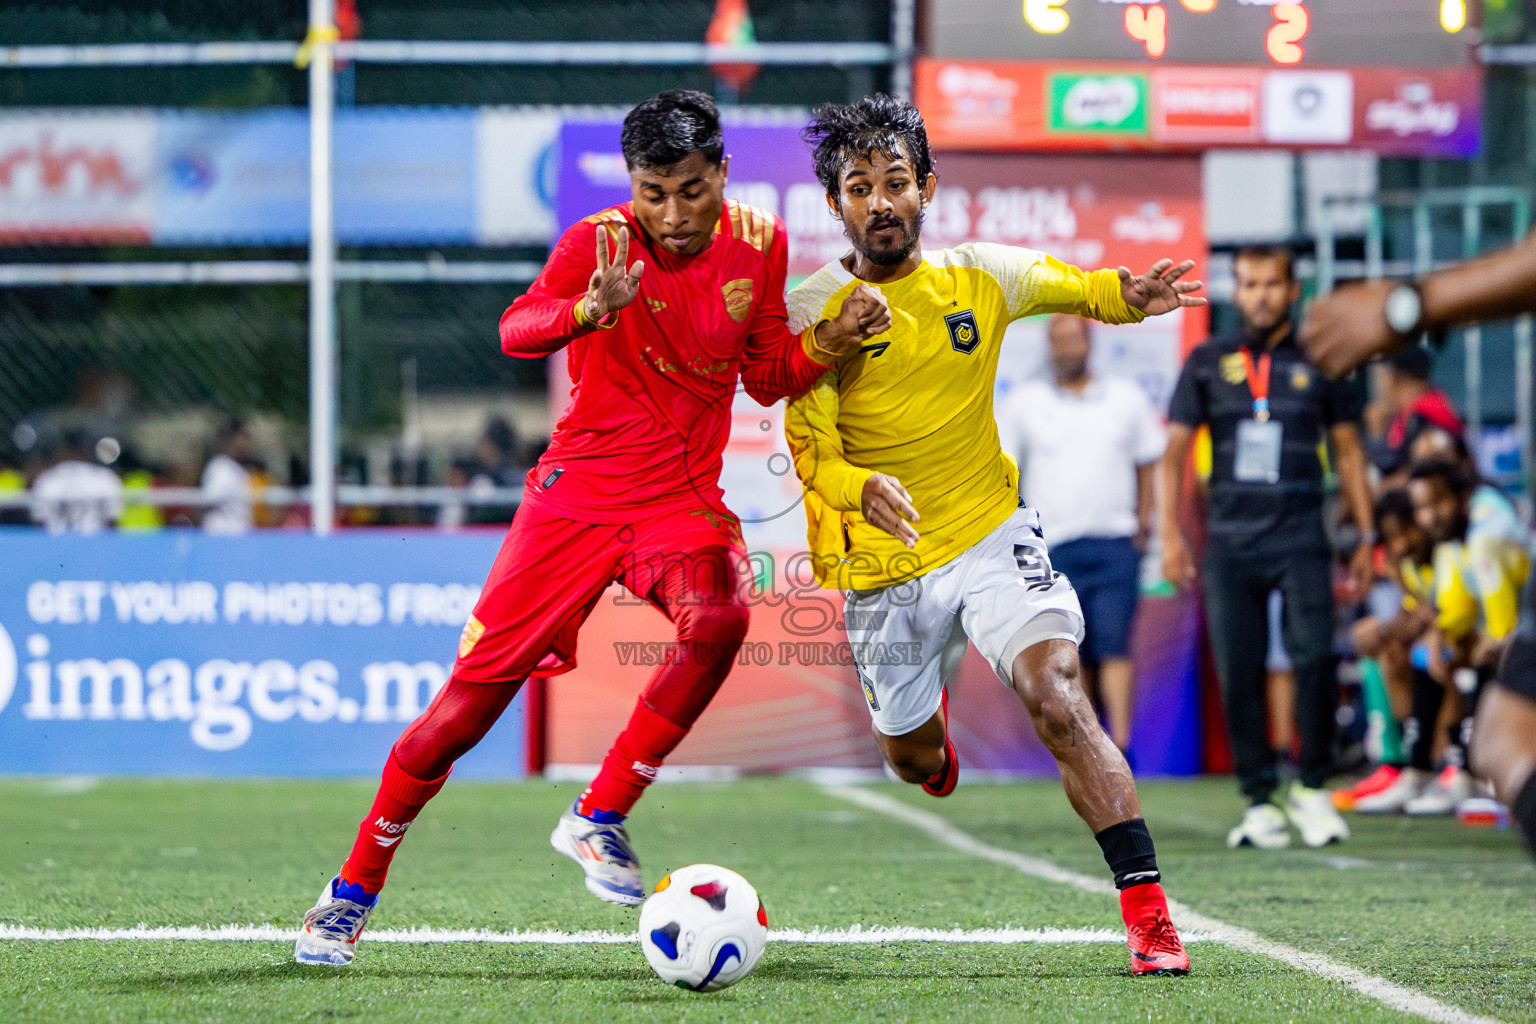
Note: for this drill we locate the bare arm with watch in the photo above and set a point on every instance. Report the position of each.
(1358, 321)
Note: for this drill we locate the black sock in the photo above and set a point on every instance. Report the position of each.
(1419, 728)
(1524, 811)
(1128, 850)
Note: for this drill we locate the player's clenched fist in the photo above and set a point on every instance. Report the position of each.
(611, 289)
(887, 504)
(863, 315)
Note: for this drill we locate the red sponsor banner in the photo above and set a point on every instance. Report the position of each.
(1014, 106)
(793, 700)
(1088, 211)
(1207, 106)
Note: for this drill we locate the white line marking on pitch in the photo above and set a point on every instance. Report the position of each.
(857, 935)
(1393, 995)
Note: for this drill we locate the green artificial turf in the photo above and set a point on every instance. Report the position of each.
(1429, 905)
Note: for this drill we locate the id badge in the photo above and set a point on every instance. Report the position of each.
(1258, 452)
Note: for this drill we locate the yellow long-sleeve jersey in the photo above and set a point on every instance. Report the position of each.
(916, 403)
(1477, 585)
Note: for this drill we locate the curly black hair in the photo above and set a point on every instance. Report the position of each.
(667, 127)
(842, 132)
(1393, 504)
(1452, 475)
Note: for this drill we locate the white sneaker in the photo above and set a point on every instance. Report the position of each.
(330, 930)
(1313, 814)
(1392, 799)
(1263, 825)
(1441, 796)
(604, 853)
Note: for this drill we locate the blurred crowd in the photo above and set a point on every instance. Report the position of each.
(1360, 581)
(82, 468)
(1452, 559)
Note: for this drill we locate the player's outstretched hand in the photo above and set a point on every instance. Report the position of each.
(1159, 290)
(863, 315)
(610, 289)
(1346, 327)
(887, 505)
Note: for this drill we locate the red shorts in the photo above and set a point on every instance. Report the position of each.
(550, 574)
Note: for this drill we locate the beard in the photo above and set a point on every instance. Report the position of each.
(1252, 331)
(911, 232)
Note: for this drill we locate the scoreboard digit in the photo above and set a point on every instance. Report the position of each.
(1273, 33)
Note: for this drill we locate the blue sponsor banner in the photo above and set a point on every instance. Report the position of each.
(400, 176)
(270, 654)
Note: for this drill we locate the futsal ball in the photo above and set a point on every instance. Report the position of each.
(703, 928)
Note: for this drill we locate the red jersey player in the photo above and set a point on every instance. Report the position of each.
(628, 490)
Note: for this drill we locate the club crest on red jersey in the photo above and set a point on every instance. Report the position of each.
(738, 297)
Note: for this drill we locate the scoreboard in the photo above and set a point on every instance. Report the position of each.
(1396, 77)
(1399, 33)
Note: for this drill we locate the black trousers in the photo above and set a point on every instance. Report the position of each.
(1236, 605)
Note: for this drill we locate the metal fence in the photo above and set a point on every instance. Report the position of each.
(379, 369)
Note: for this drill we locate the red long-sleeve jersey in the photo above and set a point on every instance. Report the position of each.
(652, 386)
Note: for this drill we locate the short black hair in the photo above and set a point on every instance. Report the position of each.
(1412, 361)
(666, 128)
(842, 132)
(1265, 253)
(1393, 504)
(1453, 475)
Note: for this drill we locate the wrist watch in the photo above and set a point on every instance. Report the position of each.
(1405, 310)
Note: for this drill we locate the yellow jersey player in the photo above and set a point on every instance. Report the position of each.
(913, 508)
(1480, 564)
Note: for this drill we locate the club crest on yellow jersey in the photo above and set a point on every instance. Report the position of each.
(964, 335)
(738, 297)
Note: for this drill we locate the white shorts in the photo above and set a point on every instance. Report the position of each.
(908, 638)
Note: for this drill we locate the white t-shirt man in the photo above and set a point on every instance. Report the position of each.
(228, 488)
(77, 497)
(1078, 452)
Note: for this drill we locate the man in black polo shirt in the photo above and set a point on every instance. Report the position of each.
(1268, 411)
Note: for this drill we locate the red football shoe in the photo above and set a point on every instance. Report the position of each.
(1379, 781)
(1155, 945)
(944, 783)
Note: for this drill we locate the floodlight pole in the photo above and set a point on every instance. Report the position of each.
(322, 268)
(903, 33)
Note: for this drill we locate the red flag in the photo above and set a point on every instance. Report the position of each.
(349, 24)
(732, 24)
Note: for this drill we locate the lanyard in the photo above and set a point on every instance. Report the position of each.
(1258, 383)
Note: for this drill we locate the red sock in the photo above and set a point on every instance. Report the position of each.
(399, 800)
(632, 763)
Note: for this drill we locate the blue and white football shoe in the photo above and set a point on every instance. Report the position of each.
(603, 851)
(330, 930)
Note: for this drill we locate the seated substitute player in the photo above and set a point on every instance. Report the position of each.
(1399, 638)
(629, 489)
(1353, 324)
(905, 426)
(1480, 563)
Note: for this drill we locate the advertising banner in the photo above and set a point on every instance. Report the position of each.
(1017, 105)
(516, 163)
(792, 699)
(402, 176)
(269, 654)
(77, 178)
